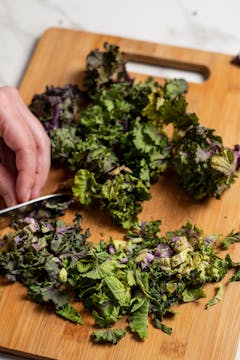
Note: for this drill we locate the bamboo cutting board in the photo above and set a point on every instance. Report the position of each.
(30, 330)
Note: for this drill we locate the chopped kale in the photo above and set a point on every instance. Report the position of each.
(230, 239)
(140, 277)
(218, 297)
(236, 276)
(37, 252)
(112, 336)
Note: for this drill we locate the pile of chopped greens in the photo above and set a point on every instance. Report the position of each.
(140, 277)
(205, 167)
(112, 137)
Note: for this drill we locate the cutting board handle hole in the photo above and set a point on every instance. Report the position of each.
(166, 68)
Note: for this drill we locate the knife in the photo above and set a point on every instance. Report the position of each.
(7, 213)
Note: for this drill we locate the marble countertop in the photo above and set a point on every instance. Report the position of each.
(206, 25)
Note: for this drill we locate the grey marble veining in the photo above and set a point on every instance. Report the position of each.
(211, 25)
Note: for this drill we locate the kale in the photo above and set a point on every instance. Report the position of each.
(105, 67)
(140, 277)
(236, 276)
(116, 149)
(218, 297)
(63, 143)
(113, 137)
(174, 88)
(58, 106)
(230, 239)
(205, 167)
(36, 252)
(108, 336)
(120, 195)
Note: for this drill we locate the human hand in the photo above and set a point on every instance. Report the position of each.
(24, 150)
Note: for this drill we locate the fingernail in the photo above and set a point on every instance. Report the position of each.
(35, 194)
(26, 196)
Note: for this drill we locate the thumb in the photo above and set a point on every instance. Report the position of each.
(7, 186)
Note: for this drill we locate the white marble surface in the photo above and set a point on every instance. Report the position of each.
(211, 25)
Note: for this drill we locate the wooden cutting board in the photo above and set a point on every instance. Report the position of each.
(28, 329)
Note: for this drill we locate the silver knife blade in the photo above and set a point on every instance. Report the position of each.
(7, 213)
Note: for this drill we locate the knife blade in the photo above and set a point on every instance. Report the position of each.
(7, 214)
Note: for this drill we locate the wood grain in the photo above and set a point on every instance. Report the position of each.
(30, 330)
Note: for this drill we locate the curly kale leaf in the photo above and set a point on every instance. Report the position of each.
(70, 313)
(105, 67)
(58, 106)
(93, 155)
(63, 143)
(120, 195)
(204, 166)
(175, 87)
(85, 187)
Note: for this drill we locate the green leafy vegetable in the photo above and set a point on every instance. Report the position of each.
(70, 313)
(139, 319)
(117, 127)
(230, 239)
(158, 324)
(236, 276)
(38, 251)
(105, 67)
(216, 298)
(174, 88)
(108, 336)
(205, 167)
(140, 277)
(193, 294)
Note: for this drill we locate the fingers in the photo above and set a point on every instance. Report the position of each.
(43, 147)
(7, 186)
(26, 160)
(25, 135)
(18, 137)
(41, 174)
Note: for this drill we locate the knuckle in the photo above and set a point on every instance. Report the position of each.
(6, 93)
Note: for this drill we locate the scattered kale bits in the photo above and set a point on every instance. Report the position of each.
(37, 254)
(140, 277)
